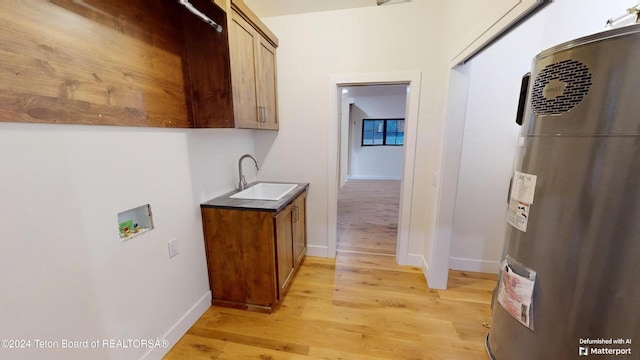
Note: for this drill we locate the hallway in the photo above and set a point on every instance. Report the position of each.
(368, 216)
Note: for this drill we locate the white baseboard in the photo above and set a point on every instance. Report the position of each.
(181, 327)
(483, 266)
(418, 260)
(415, 260)
(317, 251)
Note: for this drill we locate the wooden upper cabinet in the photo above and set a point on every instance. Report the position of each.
(233, 73)
(117, 62)
(104, 64)
(253, 70)
(208, 66)
(242, 39)
(267, 86)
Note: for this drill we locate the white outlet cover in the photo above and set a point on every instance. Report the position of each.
(173, 248)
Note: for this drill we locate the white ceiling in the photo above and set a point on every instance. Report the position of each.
(267, 8)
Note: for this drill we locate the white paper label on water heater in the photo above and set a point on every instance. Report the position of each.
(524, 187)
(523, 190)
(515, 290)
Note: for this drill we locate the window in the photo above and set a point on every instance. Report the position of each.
(382, 132)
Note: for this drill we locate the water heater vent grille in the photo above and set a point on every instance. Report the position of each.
(570, 82)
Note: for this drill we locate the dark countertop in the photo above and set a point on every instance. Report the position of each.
(225, 202)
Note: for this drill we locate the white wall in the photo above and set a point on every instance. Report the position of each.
(471, 25)
(340, 42)
(490, 132)
(66, 274)
(375, 162)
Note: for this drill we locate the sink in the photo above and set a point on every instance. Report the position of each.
(265, 191)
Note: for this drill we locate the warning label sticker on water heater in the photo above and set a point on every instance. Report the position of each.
(518, 215)
(522, 191)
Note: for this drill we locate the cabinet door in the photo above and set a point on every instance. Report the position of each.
(300, 227)
(209, 69)
(242, 40)
(284, 247)
(267, 87)
(240, 256)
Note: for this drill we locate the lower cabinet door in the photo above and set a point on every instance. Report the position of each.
(300, 228)
(284, 248)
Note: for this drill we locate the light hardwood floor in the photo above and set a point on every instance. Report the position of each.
(361, 305)
(357, 306)
(368, 216)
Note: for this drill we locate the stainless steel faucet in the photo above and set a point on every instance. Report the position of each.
(242, 184)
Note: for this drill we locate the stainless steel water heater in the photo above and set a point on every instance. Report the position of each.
(569, 285)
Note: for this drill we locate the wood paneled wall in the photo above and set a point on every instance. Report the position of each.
(99, 62)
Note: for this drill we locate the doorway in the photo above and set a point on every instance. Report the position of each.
(412, 81)
(371, 161)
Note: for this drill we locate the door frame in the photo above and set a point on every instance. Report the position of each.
(413, 81)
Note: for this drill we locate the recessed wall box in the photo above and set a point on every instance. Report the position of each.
(134, 222)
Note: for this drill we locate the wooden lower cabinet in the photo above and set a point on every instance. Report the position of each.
(291, 240)
(253, 255)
